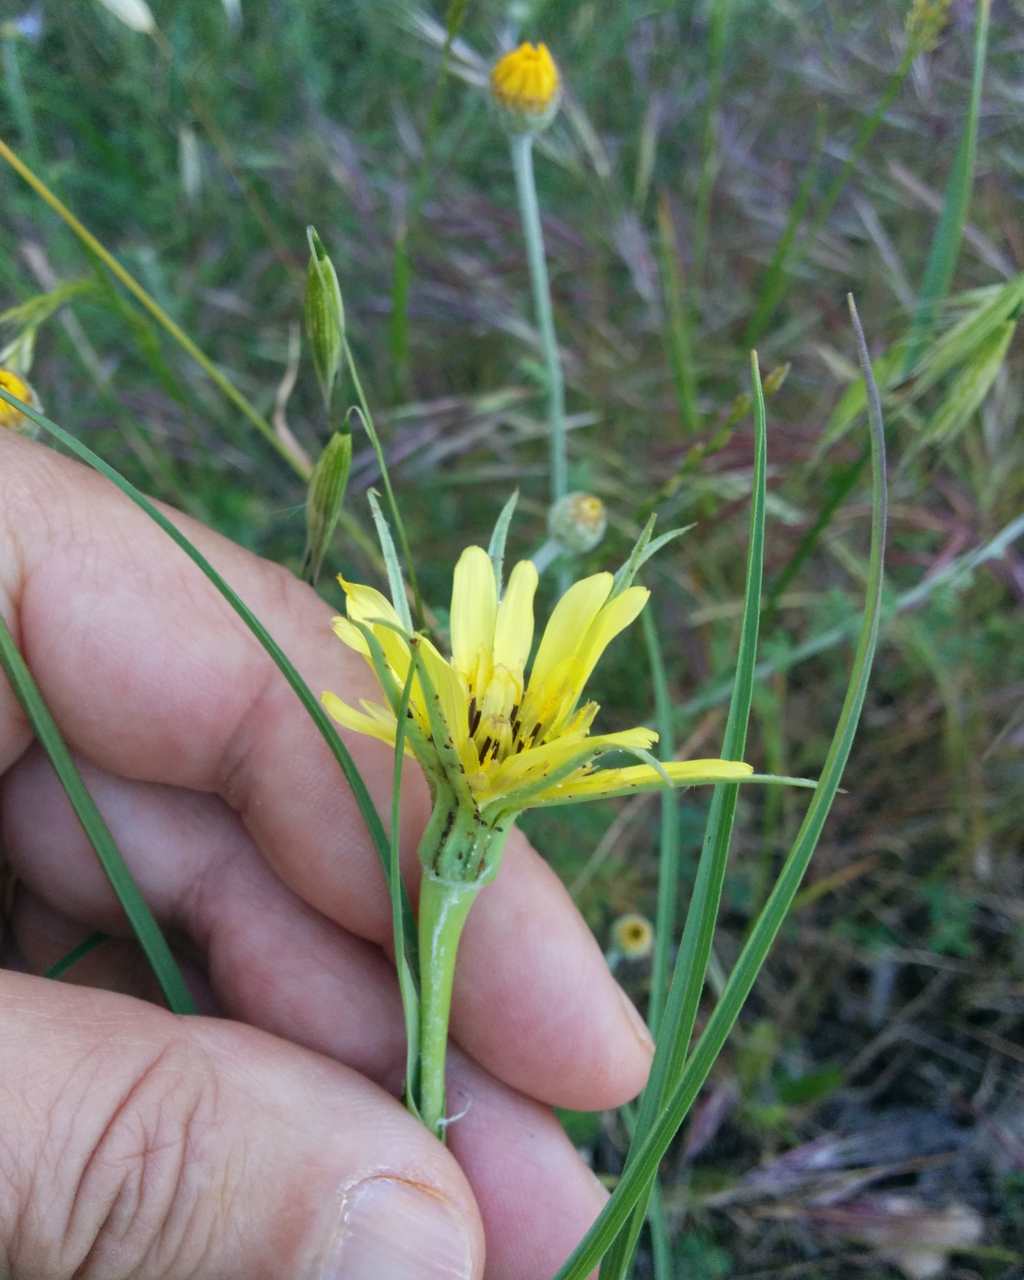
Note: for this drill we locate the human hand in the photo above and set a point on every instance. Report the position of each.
(136, 1143)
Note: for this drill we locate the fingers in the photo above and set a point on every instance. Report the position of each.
(137, 1143)
(266, 951)
(151, 676)
(536, 1196)
(528, 967)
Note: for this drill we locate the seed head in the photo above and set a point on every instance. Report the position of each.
(325, 315)
(578, 521)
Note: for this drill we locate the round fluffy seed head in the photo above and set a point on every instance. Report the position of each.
(12, 418)
(526, 87)
(633, 936)
(578, 521)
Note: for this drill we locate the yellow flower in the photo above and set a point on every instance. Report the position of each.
(633, 935)
(17, 386)
(503, 740)
(526, 85)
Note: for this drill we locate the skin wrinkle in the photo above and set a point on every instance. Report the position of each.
(122, 1191)
(163, 1205)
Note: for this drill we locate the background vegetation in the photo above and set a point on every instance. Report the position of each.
(873, 1088)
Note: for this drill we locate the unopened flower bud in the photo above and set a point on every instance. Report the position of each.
(633, 936)
(526, 88)
(325, 315)
(577, 522)
(11, 418)
(324, 498)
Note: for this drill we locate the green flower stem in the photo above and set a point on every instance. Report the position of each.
(460, 853)
(444, 906)
(529, 211)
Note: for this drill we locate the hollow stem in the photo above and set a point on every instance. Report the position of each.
(444, 906)
(460, 853)
(529, 211)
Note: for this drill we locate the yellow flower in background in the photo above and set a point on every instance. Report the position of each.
(526, 86)
(510, 740)
(12, 418)
(633, 936)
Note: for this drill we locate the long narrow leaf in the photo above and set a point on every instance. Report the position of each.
(638, 1173)
(396, 515)
(147, 931)
(72, 958)
(496, 546)
(949, 231)
(695, 949)
(394, 570)
(668, 856)
(405, 964)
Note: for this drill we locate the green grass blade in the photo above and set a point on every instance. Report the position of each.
(949, 232)
(645, 1159)
(668, 857)
(402, 270)
(791, 252)
(227, 388)
(396, 515)
(72, 958)
(152, 941)
(678, 335)
(676, 1027)
(405, 964)
(776, 277)
(838, 488)
(277, 655)
(717, 40)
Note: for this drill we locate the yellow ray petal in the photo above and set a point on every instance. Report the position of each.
(350, 635)
(642, 777)
(367, 604)
(474, 608)
(377, 711)
(569, 623)
(530, 766)
(614, 618)
(349, 718)
(513, 630)
(454, 704)
(568, 681)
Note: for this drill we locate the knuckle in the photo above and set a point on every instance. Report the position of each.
(140, 1188)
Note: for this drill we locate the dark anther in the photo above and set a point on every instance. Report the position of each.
(474, 717)
(484, 749)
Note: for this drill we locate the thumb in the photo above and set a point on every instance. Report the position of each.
(139, 1144)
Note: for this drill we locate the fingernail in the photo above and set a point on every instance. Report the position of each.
(396, 1230)
(636, 1022)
